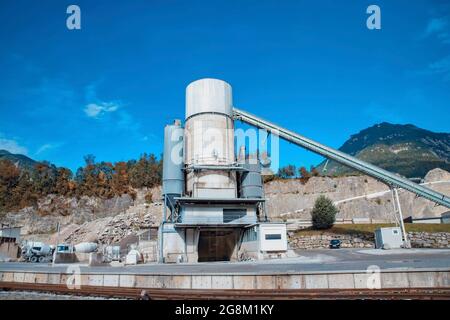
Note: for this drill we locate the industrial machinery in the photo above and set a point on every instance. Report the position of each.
(112, 253)
(211, 198)
(64, 248)
(37, 252)
(214, 201)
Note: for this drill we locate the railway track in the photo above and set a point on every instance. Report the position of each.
(234, 294)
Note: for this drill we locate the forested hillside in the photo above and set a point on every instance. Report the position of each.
(23, 186)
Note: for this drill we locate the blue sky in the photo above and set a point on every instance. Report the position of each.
(311, 66)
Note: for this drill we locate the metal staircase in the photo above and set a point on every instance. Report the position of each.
(385, 176)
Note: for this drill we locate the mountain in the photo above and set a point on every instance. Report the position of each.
(404, 149)
(19, 159)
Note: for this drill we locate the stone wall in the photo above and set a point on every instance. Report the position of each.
(323, 241)
(439, 240)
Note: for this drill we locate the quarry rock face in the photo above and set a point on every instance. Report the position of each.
(355, 197)
(85, 217)
(437, 175)
(109, 220)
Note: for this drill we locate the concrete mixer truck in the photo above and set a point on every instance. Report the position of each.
(37, 252)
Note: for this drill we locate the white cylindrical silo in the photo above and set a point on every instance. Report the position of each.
(173, 175)
(209, 138)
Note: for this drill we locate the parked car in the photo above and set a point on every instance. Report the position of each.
(335, 244)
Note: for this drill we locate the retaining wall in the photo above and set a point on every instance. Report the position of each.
(343, 280)
(439, 240)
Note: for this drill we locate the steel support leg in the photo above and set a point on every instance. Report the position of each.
(402, 225)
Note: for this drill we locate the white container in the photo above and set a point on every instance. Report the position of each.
(209, 138)
(39, 248)
(133, 257)
(272, 237)
(388, 238)
(209, 95)
(86, 247)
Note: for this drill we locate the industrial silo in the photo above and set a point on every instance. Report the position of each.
(209, 139)
(208, 214)
(251, 185)
(250, 180)
(173, 175)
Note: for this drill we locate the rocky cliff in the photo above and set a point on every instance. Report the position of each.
(106, 221)
(87, 218)
(355, 197)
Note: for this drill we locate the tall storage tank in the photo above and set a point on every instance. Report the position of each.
(251, 185)
(173, 175)
(209, 138)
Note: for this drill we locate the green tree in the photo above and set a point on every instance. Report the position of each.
(9, 179)
(286, 172)
(120, 181)
(324, 213)
(44, 178)
(304, 174)
(64, 184)
(146, 172)
(314, 172)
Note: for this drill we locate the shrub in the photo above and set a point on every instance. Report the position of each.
(149, 197)
(324, 213)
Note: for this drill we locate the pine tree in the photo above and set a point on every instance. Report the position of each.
(324, 213)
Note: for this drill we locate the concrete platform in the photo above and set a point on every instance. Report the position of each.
(318, 269)
(308, 261)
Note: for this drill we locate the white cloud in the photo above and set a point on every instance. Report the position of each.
(12, 146)
(435, 25)
(438, 68)
(441, 66)
(47, 146)
(122, 120)
(438, 27)
(95, 110)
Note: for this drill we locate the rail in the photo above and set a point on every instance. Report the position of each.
(228, 294)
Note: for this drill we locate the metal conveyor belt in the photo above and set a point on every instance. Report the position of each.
(341, 157)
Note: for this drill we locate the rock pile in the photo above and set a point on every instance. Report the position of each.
(112, 229)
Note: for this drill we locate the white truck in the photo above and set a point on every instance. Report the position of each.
(33, 251)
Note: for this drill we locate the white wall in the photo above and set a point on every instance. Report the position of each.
(272, 237)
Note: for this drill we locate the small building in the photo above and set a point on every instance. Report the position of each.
(388, 238)
(262, 240)
(9, 242)
(11, 232)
